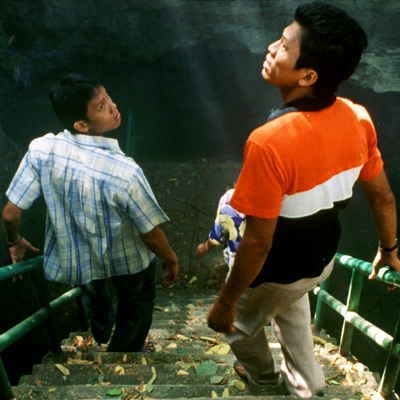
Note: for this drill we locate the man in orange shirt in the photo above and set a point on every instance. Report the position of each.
(299, 170)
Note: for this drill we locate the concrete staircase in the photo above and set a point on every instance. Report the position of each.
(185, 364)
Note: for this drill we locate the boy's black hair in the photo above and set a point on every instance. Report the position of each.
(70, 97)
(331, 43)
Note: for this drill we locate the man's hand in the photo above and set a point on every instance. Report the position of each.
(383, 259)
(221, 317)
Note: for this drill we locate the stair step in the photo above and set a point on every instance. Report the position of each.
(46, 373)
(170, 391)
(132, 369)
(123, 375)
(156, 391)
(166, 378)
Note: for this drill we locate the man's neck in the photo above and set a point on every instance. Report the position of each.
(289, 95)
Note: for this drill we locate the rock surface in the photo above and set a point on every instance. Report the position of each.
(38, 36)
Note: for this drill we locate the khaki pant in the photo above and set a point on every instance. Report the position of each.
(287, 308)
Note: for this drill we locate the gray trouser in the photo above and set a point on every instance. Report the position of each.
(287, 308)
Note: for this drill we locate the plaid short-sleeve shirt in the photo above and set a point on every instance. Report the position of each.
(98, 203)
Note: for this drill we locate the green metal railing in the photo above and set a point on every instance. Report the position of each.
(352, 319)
(45, 314)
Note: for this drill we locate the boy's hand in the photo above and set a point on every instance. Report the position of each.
(17, 253)
(171, 276)
(204, 248)
(201, 250)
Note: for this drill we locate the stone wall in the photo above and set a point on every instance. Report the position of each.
(38, 36)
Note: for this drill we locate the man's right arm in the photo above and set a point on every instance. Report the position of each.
(156, 242)
(250, 258)
(383, 208)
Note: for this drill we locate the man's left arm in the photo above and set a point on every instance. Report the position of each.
(250, 258)
(383, 208)
(11, 219)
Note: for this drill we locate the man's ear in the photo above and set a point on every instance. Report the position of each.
(81, 126)
(309, 78)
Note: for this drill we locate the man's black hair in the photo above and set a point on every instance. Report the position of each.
(70, 97)
(331, 43)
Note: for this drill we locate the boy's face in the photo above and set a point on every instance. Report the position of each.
(102, 114)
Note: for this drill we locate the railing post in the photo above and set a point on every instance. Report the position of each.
(6, 392)
(353, 300)
(320, 308)
(41, 292)
(392, 368)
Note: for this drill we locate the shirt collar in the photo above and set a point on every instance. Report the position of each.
(304, 104)
(92, 141)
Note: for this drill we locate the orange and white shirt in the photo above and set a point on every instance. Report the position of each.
(301, 167)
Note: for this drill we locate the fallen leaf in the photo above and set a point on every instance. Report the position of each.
(144, 362)
(207, 368)
(158, 348)
(317, 339)
(216, 380)
(98, 369)
(124, 358)
(208, 339)
(114, 392)
(149, 388)
(213, 394)
(79, 361)
(120, 370)
(330, 347)
(78, 341)
(348, 380)
(52, 390)
(172, 346)
(194, 279)
(240, 385)
(225, 393)
(182, 372)
(181, 337)
(219, 349)
(359, 367)
(63, 369)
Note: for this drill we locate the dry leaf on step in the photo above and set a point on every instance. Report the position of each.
(63, 369)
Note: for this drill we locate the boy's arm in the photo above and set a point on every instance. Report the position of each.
(156, 242)
(11, 219)
(204, 248)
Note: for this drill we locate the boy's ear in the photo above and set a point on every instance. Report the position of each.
(81, 126)
(309, 78)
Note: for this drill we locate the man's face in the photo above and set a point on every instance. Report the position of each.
(102, 113)
(278, 68)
